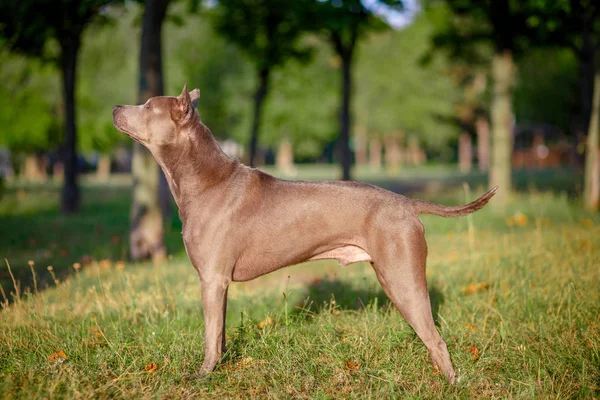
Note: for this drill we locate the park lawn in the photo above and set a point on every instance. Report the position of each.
(515, 295)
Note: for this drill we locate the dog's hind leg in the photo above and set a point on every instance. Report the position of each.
(401, 271)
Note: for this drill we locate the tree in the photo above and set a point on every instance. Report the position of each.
(400, 98)
(575, 24)
(27, 25)
(104, 79)
(27, 90)
(220, 70)
(343, 23)
(504, 26)
(148, 204)
(298, 111)
(268, 32)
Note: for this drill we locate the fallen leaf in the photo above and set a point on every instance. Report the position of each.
(588, 223)
(475, 353)
(521, 219)
(64, 252)
(59, 356)
(352, 365)
(105, 263)
(120, 265)
(471, 326)
(585, 244)
(151, 367)
(475, 288)
(265, 322)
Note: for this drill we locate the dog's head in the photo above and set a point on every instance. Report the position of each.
(160, 121)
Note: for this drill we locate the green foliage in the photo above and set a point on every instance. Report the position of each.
(302, 104)
(266, 30)
(27, 25)
(394, 92)
(107, 75)
(345, 22)
(196, 54)
(28, 103)
(545, 91)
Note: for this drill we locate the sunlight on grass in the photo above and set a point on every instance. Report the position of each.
(136, 330)
(514, 293)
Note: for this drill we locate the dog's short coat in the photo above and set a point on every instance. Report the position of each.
(240, 223)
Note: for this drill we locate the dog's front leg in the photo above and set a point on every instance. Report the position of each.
(214, 303)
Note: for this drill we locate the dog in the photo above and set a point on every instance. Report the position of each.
(240, 223)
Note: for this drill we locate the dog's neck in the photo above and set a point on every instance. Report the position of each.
(196, 164)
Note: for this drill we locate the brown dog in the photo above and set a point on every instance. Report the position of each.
(240, 223)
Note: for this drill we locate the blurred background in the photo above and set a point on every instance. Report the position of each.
(418, 96)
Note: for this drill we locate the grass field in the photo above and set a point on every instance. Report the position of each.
(515, 295)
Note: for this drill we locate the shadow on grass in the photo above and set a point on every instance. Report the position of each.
(347, 296)
(34, 229)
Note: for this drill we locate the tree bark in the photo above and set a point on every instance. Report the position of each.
(393, 153)
(482, 128)
(375, 154)
(285, 157)
(259, 98)
(103, 168)
(70, 193)
(503, 71)
(345, 117)
(465, 149)
(33, 169)
(150, 193)
(361, 146)
(591, 187)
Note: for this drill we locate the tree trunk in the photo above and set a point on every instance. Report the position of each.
(465, 153)
(58, 170)
(70, 193)
(482, 128)
(32, 169)
(149, 201)
(503, 71)
(393, 153)
(285, 157)
(361, 146)
(345, 116)
(375, 154)
(103, 168)
(414, 152)
(591, 188)
(259, 98)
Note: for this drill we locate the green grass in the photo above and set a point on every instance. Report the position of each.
(519, 287)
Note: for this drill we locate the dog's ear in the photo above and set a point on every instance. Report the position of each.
(183, 107)
(195, 97)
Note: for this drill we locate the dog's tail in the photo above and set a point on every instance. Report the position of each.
(425, 207)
